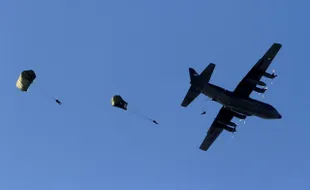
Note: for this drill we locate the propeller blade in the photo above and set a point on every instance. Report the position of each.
(233, 133)
(233, 136)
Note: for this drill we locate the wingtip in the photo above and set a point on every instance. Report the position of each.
(203, 148)
(191, 70)
(212, 64)
(277, 44)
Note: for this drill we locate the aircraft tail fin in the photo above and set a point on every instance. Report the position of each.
(205, 74)
(197, 83)
(192, 73)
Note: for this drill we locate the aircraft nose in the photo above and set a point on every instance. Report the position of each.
(278, 115)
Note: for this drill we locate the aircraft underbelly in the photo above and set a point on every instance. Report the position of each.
(242, 106)
(248, 107)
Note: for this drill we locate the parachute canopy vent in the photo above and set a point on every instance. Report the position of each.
(117, 101)
(25, 79)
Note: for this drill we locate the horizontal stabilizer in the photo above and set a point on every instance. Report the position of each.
(190, 96)
(207, 73)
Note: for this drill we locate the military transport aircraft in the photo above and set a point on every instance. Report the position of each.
(237, 103)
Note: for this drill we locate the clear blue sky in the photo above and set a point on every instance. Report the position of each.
(85, 51)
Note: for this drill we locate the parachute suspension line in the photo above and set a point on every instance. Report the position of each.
(135, 112)
(205, 105)
(44, 91)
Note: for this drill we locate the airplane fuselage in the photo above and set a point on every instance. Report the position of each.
(246, 106)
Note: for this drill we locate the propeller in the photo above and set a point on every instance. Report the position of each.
(242, 120)
(209, 100)
(233, 134)
(272, 73)
(262, 94)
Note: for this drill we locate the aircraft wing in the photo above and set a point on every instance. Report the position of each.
(244, 88)
(216, 128)
(190, 96)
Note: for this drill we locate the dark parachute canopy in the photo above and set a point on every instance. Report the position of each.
(25, 79)
(119, 102)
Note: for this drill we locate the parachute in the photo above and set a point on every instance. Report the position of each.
(25, 79)
(119, 102)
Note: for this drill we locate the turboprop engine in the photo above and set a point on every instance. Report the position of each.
(230, 129)
(229, 123)
(268, 75)
(239, 116)
(256, 82)
(259, 90)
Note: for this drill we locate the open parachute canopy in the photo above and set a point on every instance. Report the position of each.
(25, 79)
(117, 101)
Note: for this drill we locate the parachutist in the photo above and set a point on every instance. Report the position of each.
(155, 122)
(58, 102)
